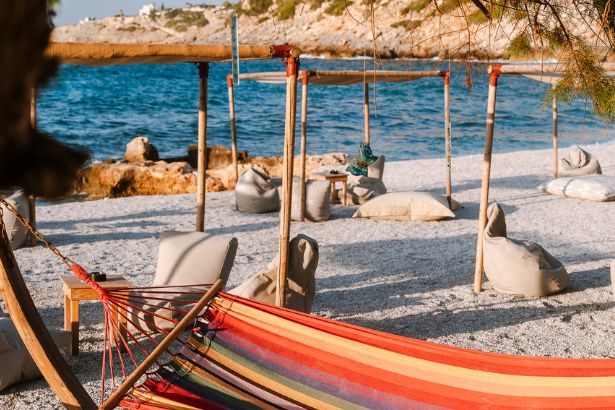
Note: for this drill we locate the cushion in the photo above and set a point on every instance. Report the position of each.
(579, 162)
(254, 192)
(194, 258)
(591, 187)
(301, 288)
(16, 231)
(317, 200)
(376, 168)
(406, 206)
(360, 189)
(17, 364)
(516, 266)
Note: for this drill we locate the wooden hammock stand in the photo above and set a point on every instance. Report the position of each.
(342, 78)
(14, 291)
(548, 73)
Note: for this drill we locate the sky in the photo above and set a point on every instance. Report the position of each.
(71, 11)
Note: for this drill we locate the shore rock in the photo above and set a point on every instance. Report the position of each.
(139, 149)
(113, 180)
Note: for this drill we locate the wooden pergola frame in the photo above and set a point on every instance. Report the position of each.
(549, 73)
(17, 299)
(342, 78)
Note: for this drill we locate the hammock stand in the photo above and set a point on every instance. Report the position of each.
(342, 78)
(14, 291)
(548, 73)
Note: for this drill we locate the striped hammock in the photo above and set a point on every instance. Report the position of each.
(249, 355)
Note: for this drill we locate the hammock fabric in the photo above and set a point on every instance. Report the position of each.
(255, 355)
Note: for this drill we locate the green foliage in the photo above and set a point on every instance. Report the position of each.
(416, 6)
(256, 7)
(263, 19)
(407, 24)
(286, 9)
(130, 28)
(181, 20)
(448, 6)
(337, 7)
(152, 15)
(520, 46)
(477, 17)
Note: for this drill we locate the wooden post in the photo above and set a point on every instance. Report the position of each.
(149, 361)
(494, 72)
(366, 136)
(304, 96)
(35, 335)
(202, 147)
(32, 198)
(292, 66)
(231, 115)
(447, 136)
(555, 136)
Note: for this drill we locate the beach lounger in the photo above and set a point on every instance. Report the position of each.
(255, 192)
(301, 288)
(406, 206)
(600, 188)
(579, 162)
(517, 266)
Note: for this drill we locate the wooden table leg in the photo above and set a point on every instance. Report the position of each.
(344, 200)
(74, 325)
(67, 318)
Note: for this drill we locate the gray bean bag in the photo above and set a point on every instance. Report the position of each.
(301, 289)
(184, 258)
(17, 364)
(317, 200)
(254, 192)
(516, 266)
(16, 231)
(579, 162)
(361, 189)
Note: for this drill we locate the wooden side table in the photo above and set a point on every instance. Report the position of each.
(76, 291)
(333, 178)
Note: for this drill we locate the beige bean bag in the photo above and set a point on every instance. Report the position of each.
(516, 266)
(185, 258)
(16, 363)
(579, 162)
(254, 192)
(406, 206)
(317, 200)
(600, 188)
(303, 260)
(361, 189)
(16, 231)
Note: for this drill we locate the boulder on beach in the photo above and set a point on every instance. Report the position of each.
(139, 149)
(217, 156)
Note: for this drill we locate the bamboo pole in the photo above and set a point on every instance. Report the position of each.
(292, 66)
(35, 335)
(447, 137)
(202, 147)
(149, 361)
(555, 136)
(366, 136)
(494, 72)
(304, 97)
(32, 198)
(231, 114)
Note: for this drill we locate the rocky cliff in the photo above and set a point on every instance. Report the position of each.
(402, 28)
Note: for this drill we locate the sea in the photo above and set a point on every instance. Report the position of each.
(102, 108)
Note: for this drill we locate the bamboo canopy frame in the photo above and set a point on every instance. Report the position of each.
(13, 289)
(548, 73)
(342, 78)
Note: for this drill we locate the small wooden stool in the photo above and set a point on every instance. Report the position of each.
(76, 291)
(333, 178)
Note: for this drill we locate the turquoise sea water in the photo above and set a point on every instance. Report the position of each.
(102, 108)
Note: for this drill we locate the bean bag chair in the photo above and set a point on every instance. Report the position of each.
(517, 266)
(184, 258)
(579, 162)
(600, 188)
(361, 189)
(254, 192)
(317, 200)
(17, 364)
(301, 288)
(406, 206)
(16, 231)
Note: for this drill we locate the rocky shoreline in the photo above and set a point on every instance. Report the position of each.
(141, 172)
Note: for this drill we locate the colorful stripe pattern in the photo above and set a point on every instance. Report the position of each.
(259, 356)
